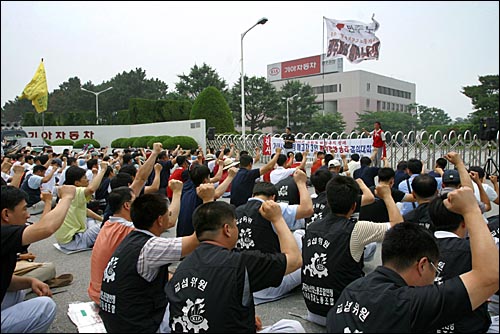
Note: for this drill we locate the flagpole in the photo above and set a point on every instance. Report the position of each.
(323, 64)
(43, 118)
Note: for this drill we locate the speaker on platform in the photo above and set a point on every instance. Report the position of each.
(488, 127)
(211, 134)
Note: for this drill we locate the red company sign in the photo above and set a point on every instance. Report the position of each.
(300, 67)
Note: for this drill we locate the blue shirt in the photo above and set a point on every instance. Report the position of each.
(242, 185)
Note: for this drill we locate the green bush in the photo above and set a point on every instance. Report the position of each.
(184, 141)
(118, 143)
(129, 142)
(212, 106)
(62, 142)
(142, 141)
(80, 143)
(157, 139)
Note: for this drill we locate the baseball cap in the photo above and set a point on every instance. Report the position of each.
(333, 163)
(57, 161)
(451, 176)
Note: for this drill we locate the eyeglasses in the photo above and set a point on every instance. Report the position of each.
(438, 271)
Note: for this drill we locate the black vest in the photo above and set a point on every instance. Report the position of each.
(255, 232)
(128, 302)
(33, 194)
(211, 293)
(355, 310)
(456, 259)
(328, 266)
(288, 191)
(320, 208)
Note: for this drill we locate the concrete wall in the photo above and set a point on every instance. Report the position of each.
(105, 134)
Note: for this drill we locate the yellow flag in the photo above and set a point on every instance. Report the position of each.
(37, 90)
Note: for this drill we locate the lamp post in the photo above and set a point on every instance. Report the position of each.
(287, 113)
(97, 102)
(261, 21)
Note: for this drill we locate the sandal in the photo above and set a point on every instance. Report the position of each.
(60, 281)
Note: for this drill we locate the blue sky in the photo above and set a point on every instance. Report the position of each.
(439, 46)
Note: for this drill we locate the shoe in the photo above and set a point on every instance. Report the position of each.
(59, 281)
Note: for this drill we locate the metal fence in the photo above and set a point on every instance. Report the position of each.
(399, 146)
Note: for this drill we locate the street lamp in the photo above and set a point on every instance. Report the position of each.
(287, 113)
(261, 21)
(97, 102)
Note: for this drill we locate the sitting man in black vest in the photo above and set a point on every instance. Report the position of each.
(31, 185)
(319, 180)
(333, 246)
(400, 297)
(132, 292)
(377, 211)
(257, 232)
(455, 258)
(211, 290)
(424, 189)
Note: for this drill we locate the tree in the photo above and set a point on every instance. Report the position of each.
(432, 116)
(392, 121)
(261, 102)
(191, 85)
(301, 108)
(484, 99)
(127, 85)
(211, 106)
(69, 105)
(328, 123)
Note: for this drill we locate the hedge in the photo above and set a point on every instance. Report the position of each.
(185, 142)
(80, 143)
(142, 141)
(62, 142)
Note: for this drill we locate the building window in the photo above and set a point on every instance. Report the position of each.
(383, 105)
(367, 103)
(367, 86)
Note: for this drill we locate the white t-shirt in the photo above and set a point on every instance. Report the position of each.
(353, 166)
(280, 173)
(492, 195)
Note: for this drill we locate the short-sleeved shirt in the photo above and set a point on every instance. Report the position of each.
(76, 218)
(12, 237)
(403, 186)
(279, 173)
(288, 137)
(110, 236)
(242, 185)
(382, 302)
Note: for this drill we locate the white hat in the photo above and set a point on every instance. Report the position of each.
(209, 157)
(333, 163)
(228, 163)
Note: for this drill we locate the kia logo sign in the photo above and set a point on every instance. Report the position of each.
(274, 71)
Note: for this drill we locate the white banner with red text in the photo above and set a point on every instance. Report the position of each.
(362, 146)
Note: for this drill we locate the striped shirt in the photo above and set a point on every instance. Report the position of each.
(156, 253)
(365, 232)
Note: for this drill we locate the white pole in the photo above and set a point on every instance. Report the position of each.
(242, 94)
(96, 101)
(261, 21)
(96, 108)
